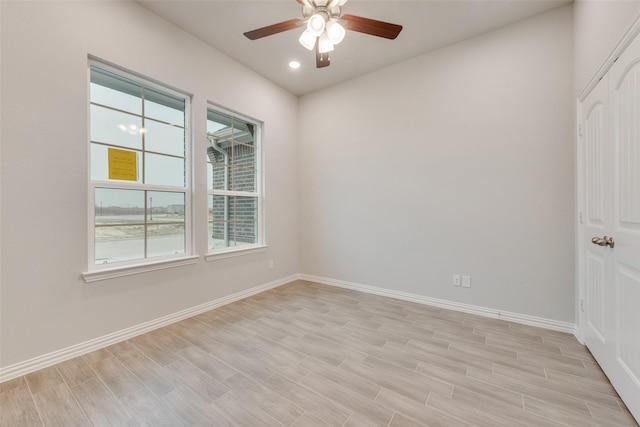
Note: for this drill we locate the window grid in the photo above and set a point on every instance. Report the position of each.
(144, 120)
(176, 227)
(235, 203)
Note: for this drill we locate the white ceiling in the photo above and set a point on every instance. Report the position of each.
(427, 25)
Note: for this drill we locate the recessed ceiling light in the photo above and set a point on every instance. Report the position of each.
(294, 65)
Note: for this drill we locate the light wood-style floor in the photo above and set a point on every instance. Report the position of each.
(311, 355)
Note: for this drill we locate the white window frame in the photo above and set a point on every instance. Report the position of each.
(260, 245)
(97, 272)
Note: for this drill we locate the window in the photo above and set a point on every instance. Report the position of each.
(140, 171)
(233, 182)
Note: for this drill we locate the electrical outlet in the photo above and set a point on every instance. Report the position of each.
(456, 280)
(466, 281)
(270, 264)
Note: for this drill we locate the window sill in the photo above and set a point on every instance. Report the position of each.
(230, 253)
(129, 270)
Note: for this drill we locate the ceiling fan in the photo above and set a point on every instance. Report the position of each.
(325, 27)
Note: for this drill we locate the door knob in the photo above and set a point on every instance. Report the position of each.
(603, 241)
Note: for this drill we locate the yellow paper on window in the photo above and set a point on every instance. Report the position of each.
(123, 165)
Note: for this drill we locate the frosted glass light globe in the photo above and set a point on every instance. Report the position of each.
(315, 25)
(335, 31)
(325, 44)
(307, 40)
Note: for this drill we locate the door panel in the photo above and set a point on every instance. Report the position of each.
(595, 125)
(625, 113)
(595, 297)
(629, 356)
(610, 276)
(627, 134)
(625, 119)
(597, 262)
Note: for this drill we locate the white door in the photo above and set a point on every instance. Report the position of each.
(597, 149)
(610, 264)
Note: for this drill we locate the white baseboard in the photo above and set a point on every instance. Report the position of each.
(578, 334)
(40, 362)
(450, 305)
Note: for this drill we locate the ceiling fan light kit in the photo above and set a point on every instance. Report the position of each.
(307, 40)
(335, 31)
(316, 24)
(324, 44)
(325, 27)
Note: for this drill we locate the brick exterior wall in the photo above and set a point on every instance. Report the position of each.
(242, 224)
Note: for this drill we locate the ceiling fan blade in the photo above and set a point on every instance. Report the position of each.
(322, 59)
(273, 29)
(371, 26)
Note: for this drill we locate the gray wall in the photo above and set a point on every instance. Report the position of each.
(469, 169)
(458, 161)
(45, 305)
